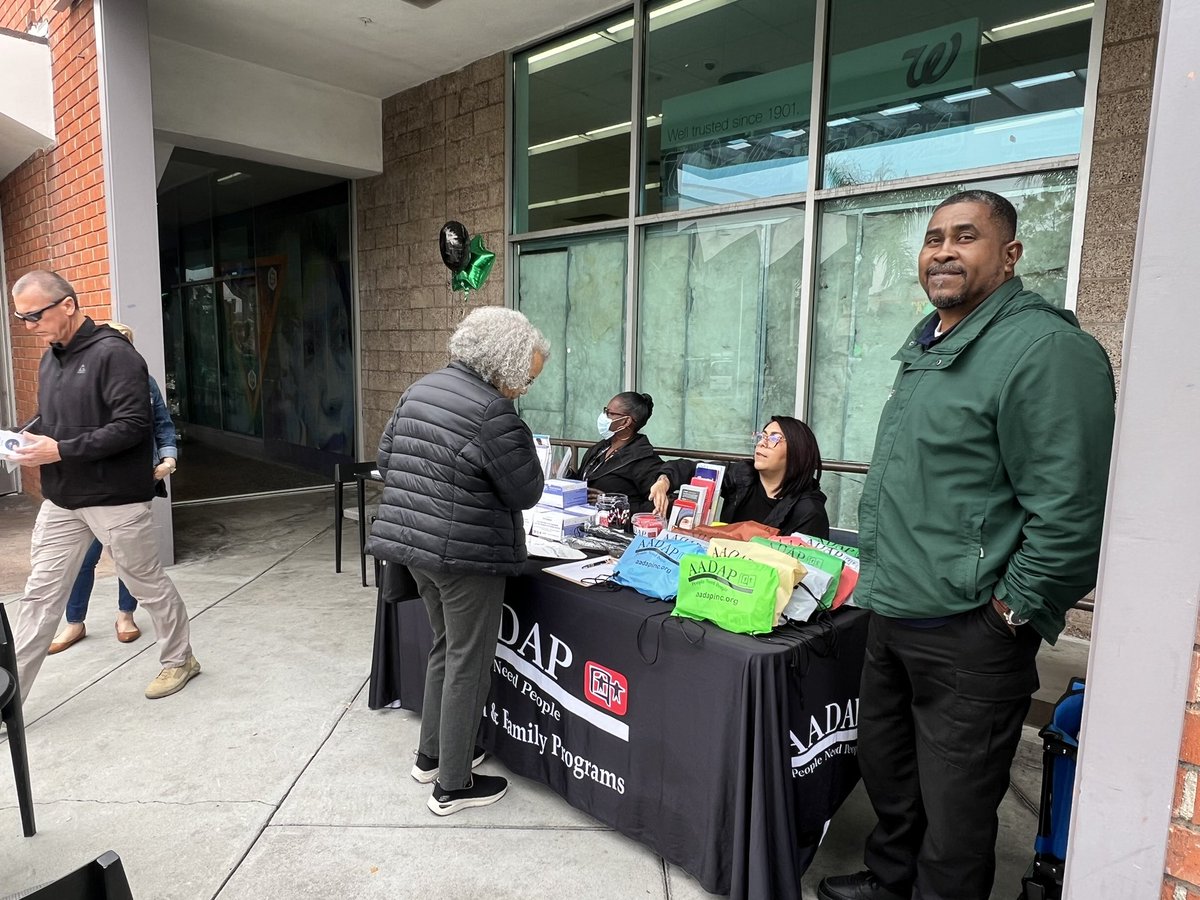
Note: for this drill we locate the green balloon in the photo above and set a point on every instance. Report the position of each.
(477, 269)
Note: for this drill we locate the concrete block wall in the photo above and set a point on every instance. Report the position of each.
(52, 205)
(443, 158)
(1118, 158)
(1127, 64)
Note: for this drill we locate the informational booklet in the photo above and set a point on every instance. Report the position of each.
(545, 453)
(698, 495)
(586, 571)
(683, 516)
(10, 441)
(710, 501)
(715, 473)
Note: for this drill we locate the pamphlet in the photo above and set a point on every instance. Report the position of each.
(545, 453)
(710, 501)
(683, 516)
(586, 571)
(10, 441)
(697, 494)
(715, 473)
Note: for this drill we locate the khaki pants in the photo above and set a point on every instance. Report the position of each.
(60, 539)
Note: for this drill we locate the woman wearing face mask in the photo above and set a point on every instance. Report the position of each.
(623, 462)
(780, 486)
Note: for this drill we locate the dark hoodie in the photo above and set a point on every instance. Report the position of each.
(93, 399)
(631, 471)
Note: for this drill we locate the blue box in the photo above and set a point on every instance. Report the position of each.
(563, 492)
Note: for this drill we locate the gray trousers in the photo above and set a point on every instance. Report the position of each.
(464, 612)
(61, 537)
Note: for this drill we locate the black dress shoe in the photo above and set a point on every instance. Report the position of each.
(863, 886)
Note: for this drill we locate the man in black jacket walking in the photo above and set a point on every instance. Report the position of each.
(94, 442)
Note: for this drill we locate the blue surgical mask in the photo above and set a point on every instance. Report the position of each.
(604, 426)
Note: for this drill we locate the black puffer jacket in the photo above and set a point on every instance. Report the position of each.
(631, 471)
(94, 399)
(796, 512)
(459, 466)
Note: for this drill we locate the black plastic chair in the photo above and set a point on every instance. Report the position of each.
(102, 879)
(359, 473)
(14, 722)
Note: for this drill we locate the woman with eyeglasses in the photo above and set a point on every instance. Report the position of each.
(623, 461)
(780, 486)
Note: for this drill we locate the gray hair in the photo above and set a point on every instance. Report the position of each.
(499, 344)
(50, 284)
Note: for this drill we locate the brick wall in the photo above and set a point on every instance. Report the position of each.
(1182, 881)
(443, 158)
(52, 205)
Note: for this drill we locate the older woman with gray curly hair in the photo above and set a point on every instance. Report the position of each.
(459, 466)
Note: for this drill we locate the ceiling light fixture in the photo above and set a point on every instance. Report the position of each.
(565, 47)
(1043, 79)
(231, 176)
(967, 95)
(1056, 19)
(899, 110)
(618, 33)
(596, 134)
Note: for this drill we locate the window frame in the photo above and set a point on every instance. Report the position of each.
(811, 200)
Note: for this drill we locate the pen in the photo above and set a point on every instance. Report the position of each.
(598, 562)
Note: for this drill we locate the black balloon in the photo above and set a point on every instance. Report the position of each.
(455, 245)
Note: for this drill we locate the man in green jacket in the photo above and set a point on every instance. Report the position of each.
(980, 527)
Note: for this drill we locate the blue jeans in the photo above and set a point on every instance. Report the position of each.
(77, 604)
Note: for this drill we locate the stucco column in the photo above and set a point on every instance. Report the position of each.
(127, 125)
(1145, 626)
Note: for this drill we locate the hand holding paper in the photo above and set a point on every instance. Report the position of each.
(31, 449)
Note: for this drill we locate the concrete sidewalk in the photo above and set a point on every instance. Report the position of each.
(268, 776)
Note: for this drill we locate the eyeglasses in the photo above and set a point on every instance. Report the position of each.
(36, 315)
(772, 440)
(613, 414)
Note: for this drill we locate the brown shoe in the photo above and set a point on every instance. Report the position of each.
(127, 637)
(60, 646)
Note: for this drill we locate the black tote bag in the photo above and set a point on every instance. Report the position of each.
(396, 584)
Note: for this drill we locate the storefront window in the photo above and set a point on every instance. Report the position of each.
(869, 298)
(718, 327)
(914, 89)
(727, 99)
(574, 291)
(258, 323)
(571, 123)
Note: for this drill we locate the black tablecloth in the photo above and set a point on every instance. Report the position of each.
(724, 753)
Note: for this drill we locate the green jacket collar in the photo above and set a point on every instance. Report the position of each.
(943, 354)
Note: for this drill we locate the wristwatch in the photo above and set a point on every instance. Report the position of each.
(1012, 617)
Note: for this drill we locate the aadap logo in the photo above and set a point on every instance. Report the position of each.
(834, 734)
(605, 688)
(713, 570)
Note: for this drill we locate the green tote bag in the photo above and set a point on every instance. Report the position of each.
(732, 592)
